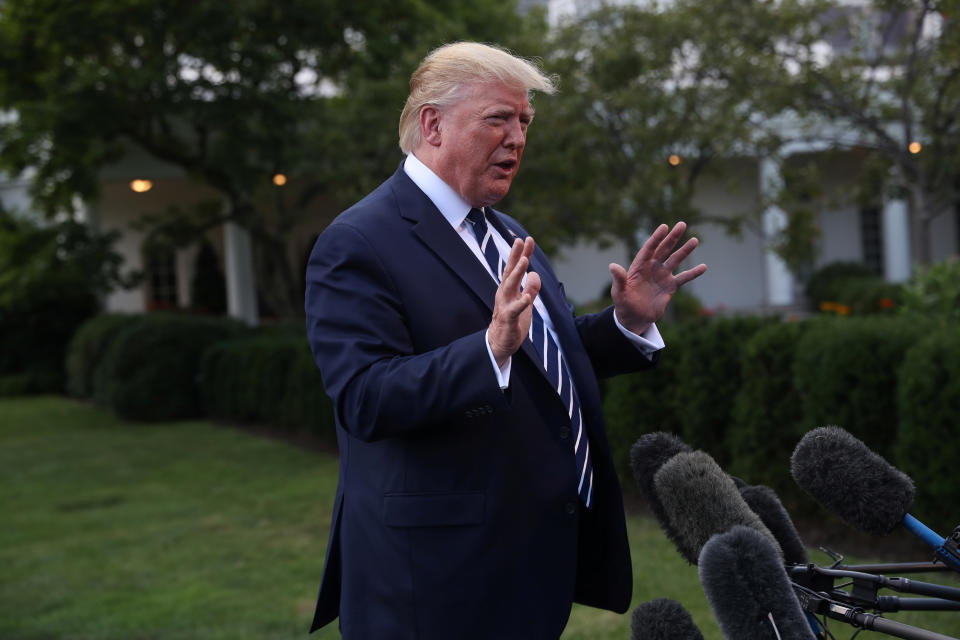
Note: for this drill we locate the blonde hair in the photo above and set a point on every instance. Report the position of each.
(447, 70)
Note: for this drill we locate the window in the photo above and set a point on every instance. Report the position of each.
(161, 278)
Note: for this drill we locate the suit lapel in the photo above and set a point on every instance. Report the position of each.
(440, 238)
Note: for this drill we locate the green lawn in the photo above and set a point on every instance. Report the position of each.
(114, 530)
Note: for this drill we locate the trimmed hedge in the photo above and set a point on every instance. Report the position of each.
(306, 404)
(690, 393)
(846, 373)
(927, 446)
(149, 371)
(270, 379)
(708, 378)
(767, 418)
(243, 380)
(87, 347)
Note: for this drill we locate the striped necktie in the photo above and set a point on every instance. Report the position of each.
(551, 358)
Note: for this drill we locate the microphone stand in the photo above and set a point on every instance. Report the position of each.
(818, 603)
(885, 567)
(866, 586)
(896, 567)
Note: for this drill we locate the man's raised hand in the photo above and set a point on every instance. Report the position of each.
(641, 293)
(513, 305)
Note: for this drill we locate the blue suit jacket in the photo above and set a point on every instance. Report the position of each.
(456, 514)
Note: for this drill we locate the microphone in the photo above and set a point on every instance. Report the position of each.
(764, 502)
(663, 619)
(700, 500)
(647, 455)
(748, 590)
(865, 490)
(846, 477)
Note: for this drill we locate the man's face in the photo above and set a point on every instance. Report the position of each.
(482, 139)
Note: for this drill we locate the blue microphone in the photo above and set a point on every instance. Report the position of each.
(866, 491)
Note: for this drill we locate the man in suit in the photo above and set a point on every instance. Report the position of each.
(477, 497)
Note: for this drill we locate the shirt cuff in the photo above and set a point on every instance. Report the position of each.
(648, 343)
(502, 373)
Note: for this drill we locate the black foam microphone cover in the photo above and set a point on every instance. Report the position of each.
(700, 500)
(647, 455)
(746, 585)
(764, 502)
(663, 619)
(846, 477)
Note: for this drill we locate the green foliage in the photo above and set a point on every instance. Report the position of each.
(708, 378)
(848, 288)
(690, 393)
(639, 84)
(853, 88)
(927, 447)
(50, 280)
(801, 199)
(270, 380)
(86, 349)
(305, 404)
(684, 307)
(825, 283)
(846, 373)
(243, 380)
(766, 419)
(935, 291)
(150, 369)
(746, 390)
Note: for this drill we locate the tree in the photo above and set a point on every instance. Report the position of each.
(231, 92)
(883, 77)
(650, 98)
(709, 79)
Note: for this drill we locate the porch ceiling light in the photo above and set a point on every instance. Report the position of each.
(141, 186)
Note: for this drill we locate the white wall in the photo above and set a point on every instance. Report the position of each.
(582, 268)
(735, 266)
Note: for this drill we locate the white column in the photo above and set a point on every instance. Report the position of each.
(778, 278)
(896, 241)
(241, 291)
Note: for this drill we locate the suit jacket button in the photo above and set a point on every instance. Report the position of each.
(571, 508)
(564, 433)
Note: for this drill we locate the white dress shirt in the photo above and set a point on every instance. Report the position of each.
(455, 209)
